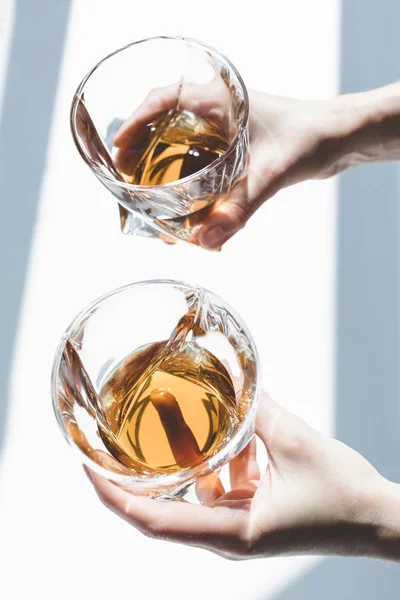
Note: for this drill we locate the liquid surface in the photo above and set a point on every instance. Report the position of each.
(174, 145)
(167, 407)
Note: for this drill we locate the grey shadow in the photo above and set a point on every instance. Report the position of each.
(29, 92)
(367, 383)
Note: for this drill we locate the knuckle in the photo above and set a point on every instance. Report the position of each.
(104, 499)
(145, 530)
(236, 551)
(234, 557)
(153, 93)
(238, 216)
(149, 532)
(293, 443)
(245, 540)
(276, 174)
(155, 529)
(153, 97)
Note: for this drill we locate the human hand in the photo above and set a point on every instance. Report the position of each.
(290, 141)
(316, 496)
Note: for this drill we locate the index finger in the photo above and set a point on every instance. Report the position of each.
(206, 100)
(157, 101)
(244, 467)
(179, 521)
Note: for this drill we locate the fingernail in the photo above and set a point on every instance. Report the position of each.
(88, 473)
(213, 238)
(196, 229)
(194, 234)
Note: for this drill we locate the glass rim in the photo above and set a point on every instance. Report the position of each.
(145, 188)
(176, 479)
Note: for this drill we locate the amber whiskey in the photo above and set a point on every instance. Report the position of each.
(174, 145)
(167, 407)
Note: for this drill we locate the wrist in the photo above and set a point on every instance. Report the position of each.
(366, 126)
(387, 521)
(372, 527)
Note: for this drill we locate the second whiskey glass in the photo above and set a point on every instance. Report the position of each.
(148, 319)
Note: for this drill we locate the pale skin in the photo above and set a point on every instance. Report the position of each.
(316, 495)
(290, 141)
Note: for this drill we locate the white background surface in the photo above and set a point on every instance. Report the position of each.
(57, 540)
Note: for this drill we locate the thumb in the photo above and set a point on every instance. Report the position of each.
(246, 197)
(225, 220)
(270, 421)
(285, 435)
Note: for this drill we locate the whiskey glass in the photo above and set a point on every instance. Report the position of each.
(188, 77)
(132, 318)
